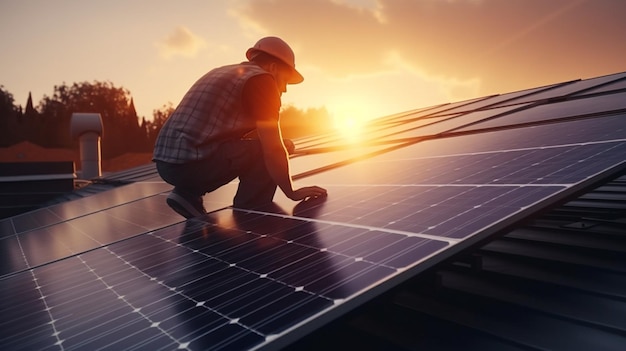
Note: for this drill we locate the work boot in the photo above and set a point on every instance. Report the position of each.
(186, 205)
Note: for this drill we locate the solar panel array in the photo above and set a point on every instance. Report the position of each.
(120, 270)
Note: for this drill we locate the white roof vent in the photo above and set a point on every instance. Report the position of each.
(87, 127)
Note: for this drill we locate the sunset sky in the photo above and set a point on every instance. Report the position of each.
(360, 58)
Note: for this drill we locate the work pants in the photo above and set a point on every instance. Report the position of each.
(241, 159)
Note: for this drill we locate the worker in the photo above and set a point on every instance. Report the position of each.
(226, 127)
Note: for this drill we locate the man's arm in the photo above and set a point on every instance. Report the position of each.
(261, 100)
(277, 162)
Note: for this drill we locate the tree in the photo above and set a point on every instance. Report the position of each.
(159, 116)
(8, 118)
(295, 123)
(7, 103)
(122, 132)
(8, 113)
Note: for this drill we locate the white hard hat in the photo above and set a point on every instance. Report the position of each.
(277, 47)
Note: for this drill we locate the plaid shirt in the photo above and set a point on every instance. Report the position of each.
(210, 112)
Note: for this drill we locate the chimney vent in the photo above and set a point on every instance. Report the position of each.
(87, 127)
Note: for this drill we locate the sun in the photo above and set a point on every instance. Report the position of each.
(349, 120)
(349, 126)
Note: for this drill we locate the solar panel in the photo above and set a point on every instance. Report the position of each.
(569, 89)
(67, 229)
(369, 132)
(502, 100)
(328, 158)
(122, 274)
(612, 86)
(465, 105)
(443, 124)
(566, 109)
(338, 149)
(58, 213)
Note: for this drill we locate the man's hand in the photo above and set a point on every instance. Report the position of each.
(308, 192)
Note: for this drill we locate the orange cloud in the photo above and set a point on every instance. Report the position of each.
(181, 42)
(505, 45)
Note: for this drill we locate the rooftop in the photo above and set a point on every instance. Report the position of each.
(499, 220)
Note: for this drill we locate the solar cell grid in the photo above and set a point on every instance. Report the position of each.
(553, 165)
(583, 131)
(85, 310)
(11, 256)
(433, 211)
(417, 189)
(58, 213)
(50, 236)
(199, 285)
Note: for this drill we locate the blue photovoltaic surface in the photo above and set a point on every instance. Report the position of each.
(126, 274)
(456, 194)
(55, 232)
(201, 285)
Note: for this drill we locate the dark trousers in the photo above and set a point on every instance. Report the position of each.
(241, 159)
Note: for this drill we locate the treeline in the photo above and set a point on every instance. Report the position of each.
(48, 123)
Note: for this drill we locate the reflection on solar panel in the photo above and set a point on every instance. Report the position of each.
(119, 270)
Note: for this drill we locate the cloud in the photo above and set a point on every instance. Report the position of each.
(504, 45)
(321, 31)
(181, 42)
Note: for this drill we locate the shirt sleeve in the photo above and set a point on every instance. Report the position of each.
(261, 98)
